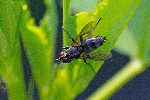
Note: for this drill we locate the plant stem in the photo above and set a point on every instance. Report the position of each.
(66, 17)
(66, 10)
(131, 70)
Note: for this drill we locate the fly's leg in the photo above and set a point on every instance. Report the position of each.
(65, 47)
(69, 35)
(81, 38)
(89, 65)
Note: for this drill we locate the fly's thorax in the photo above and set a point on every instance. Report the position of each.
(74, 52)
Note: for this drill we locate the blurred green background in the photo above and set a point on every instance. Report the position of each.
(132, 44)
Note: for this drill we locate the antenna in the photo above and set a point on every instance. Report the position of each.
(69, 35)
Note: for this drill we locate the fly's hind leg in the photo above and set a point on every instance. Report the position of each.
(89, 65)
(81, 38)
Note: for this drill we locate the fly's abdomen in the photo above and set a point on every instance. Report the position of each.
(91, 44)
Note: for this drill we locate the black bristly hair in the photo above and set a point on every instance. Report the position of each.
(89, 66)
(97, 24)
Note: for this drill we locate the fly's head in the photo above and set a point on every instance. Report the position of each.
(63, 58)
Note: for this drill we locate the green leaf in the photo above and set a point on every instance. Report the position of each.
(135, 39)
(127, 43)
(10, 60)
(78, 6)
(140, 26)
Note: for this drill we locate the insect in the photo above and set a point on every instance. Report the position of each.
(83, 47)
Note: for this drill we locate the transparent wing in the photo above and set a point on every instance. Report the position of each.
(85, 32)
(97, 56)
(100, 57)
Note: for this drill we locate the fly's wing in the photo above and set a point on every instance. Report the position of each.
(97, 56)
(85, 32)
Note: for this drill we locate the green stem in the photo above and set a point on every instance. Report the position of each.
(66, 11)
(131, 70)
(66, 17)
(30, 91)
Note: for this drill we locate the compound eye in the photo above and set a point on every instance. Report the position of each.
(61, 54)
(65, 60)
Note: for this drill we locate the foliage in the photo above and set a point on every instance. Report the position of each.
(10, 60)
(39, 42)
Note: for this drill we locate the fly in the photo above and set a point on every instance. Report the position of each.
(83, 47)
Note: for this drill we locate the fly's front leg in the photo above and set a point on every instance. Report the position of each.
(65, 47)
